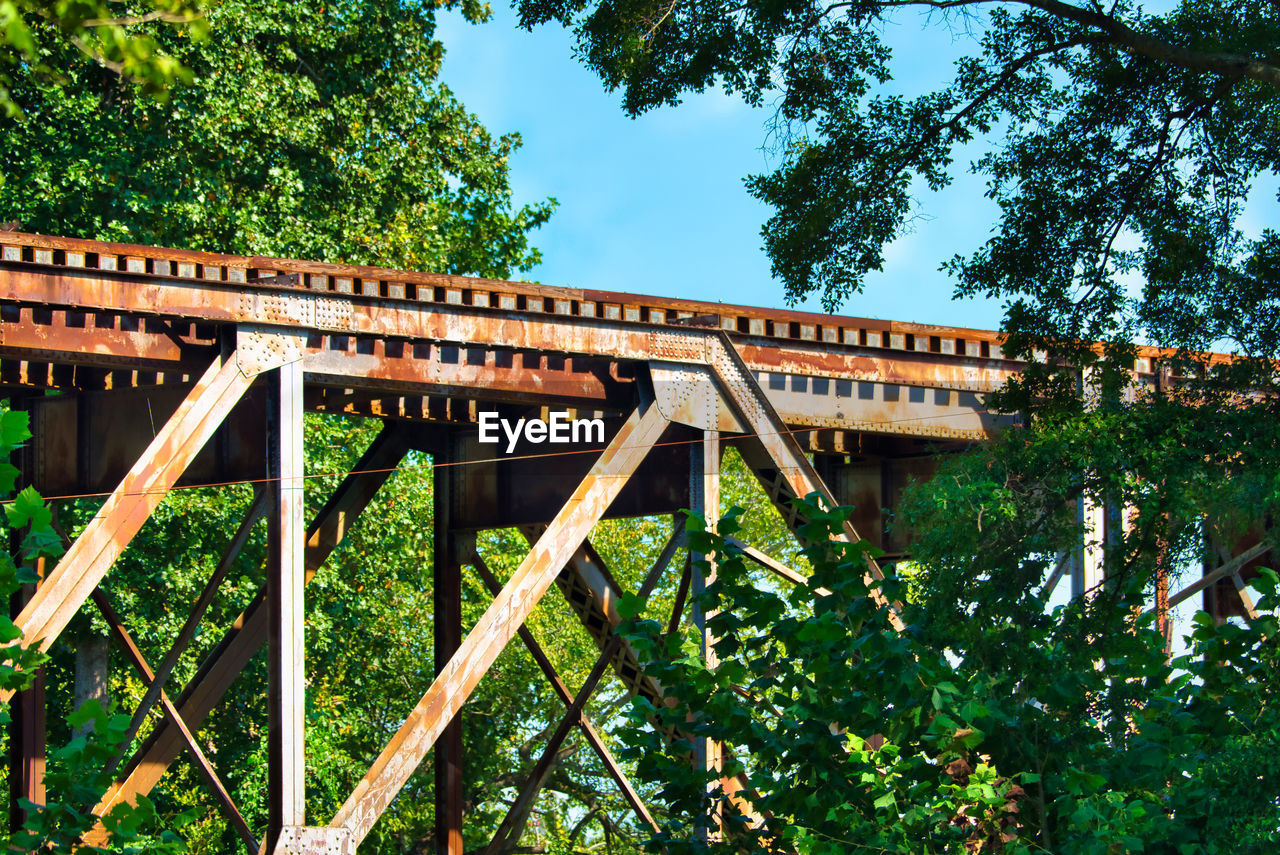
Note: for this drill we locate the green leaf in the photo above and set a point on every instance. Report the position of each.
(28, 508)
(15, 429)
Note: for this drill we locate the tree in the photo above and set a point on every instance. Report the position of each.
(1118, 141)
(308, 130)
(35, 35)
(1081, 736)
(301, 129)
(1120, 146)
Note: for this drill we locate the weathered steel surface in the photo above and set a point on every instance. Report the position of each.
(286, 576)
(704, 499)
(205, 769)
(774, 454)
(86, 441)
(491, 489)
(26, 737)
(129, 506)
(251, 629)
(50, 253)
(1226, 570)
(311, 840)
(584, 723)
(873, 483)
(499, 623)
(446, 628)
(391, 330)
(105, 340)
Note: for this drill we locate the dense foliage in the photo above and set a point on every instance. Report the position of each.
(1007, 730)
(312, 130)
(36, 36)
(1121, 145)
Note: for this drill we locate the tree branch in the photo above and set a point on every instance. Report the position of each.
(134, 20)
(1121, 34)
(902, 157)
(1226, 64)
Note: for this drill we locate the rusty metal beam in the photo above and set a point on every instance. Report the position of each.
(1060, 569)
(773, 565)
(132, 502)
(104, 339)
(85, 441)
(250, 630)
(584, 723)
(27, 736)
(527, 487)
(774, 455)
(188, 631)
(499, 623)
(592, 593)
(1230, 568)
(507, 837)
(446, 368)
(372, 318)
(45, 253)
(203, 766)
(508, 834)
(677, 605)
(704, 494)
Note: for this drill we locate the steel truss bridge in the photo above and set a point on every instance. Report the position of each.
(146, 369)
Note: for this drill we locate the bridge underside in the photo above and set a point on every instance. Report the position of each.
(146, 370)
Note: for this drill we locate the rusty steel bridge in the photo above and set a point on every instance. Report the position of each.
(176, 368)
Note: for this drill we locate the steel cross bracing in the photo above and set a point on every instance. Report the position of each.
(174, 368)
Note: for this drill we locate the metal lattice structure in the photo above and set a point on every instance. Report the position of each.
(223, 355)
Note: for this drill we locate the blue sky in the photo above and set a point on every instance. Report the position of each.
(656, 205)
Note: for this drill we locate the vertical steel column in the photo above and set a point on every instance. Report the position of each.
(285, 578)
(704, 498)
(27, 708)
(447, 602)
(1164, 622)
(26, 731)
